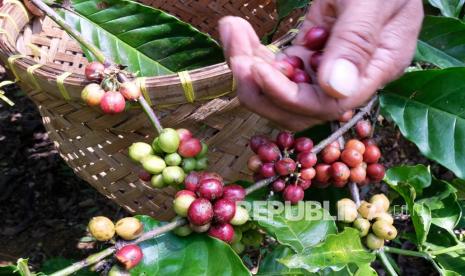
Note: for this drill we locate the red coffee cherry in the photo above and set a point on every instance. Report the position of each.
(316, 38)
(285, 166)
(200, 212)
(254, 164)
(340, 172)
(94, 71)
(372, 154)
(315, 60)
(358, 174)
(308, 173)
(293, 193)
(224, 210)
(190, 148)
(303, 144)
(278, 185)
(257, 141)
(129, 256)
(267, 170)
(285, 140)
(375, 172)
(363, 129)
(300, 76)
(130, 90)
(210, 189)
(330, 154)
(222, 231)
(305, 184)
(112, 103)
(184, 134)
(356, 145)
(323, 173)
(284, 67)
(145, 176)
(268, 153)
(340, 183)
(307, 159)
(295, 61)
(234, 192)
(351, 157)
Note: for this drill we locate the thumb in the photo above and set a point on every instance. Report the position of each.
(354, 38)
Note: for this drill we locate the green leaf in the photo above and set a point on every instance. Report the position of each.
(459, 184)
(285, 7)
(441, 42)
(365, 270)
(143, 38)
(298, 226)
(337, 251)
(428, 108)
(58, 263)
(197, 254)
(449, 8)
(9, 270)
(270, 266)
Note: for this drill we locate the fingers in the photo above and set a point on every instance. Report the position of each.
(321, 13)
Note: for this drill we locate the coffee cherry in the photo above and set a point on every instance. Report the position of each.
(238, 247)
(293, 193)
(222, 231)
(340, 183)
(351, 157)
(305, 184)
(284, 67)
(363, 226)
(190, 148)
(94, 71)
(268, 153)
(184, 134)
(191, 181)
(101, 228)
(144, 176)
(257, 177)
(335, 144)
(112, 103)
(316, 38)
(367, 210)
(300, 76)
(303, 144)
(173, 159)
(307, 159)
(372, 154)
(92, 94)
(234, 192)
(278, 185)
(368, 142)
(183, 231)
(340, 172)
(203, 152)
(189, 164)
(346, 202)
(169, 140)
(322, 173)
(173, 175)
(157, 181)
(384, 230)
(315, 60)
(307, 174)
(385, 217)
(116, 270)
(375, 172)
(373, 242)
(257, 141)
(200, 212)
(156, 146)
(358, 174)
(267, 170)
(200, 228)
(182, 201)
(295, 61)
(224, 210)
(201, 164)
(254, 164)
(285, 166)
(129, 228)
(381, 202)
(210, 189)
(153, 164)
(346, 116)
(139, 150)
(211, 175)
(129, 256)
(109, 84)
(363, 129)
(240, 217)
(285, 140)
(364, 182)
(356, 145)
(346, 210)
(130, 91)
(330, 154)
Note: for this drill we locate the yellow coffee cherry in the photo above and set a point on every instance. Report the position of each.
(373, 242)
(385, 217)
(367, 210)
(381, 202)
(101, 228)
(363, 226)
(384, 230)
(129, 228)
(346, 210)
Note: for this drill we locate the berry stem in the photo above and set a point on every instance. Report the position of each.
(387, 264)
(405, 252)
(260, 184)
(92, 259)
(151, 114)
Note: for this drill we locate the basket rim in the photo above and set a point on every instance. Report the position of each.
(15, 9)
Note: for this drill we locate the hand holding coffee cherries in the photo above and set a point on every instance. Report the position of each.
(347, 49)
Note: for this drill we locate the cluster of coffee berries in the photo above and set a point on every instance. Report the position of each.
(293, 67)
(371, 219)
(172, 155)
(210, 206)
(109, 88)
(129, 228)
(289, 158)
(358, 163)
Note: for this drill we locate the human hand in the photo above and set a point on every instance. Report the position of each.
(371, 42)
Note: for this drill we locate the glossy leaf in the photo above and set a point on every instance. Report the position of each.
(450, 8)
(298, 226)
(197, 254)
(428, 108)
(270, 266)
(9, 270)
(366, 270)
(285, 7)
(143, 38)
(337, 251)
(441, 42)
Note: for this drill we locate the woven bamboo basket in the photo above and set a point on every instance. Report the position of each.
(48, 65)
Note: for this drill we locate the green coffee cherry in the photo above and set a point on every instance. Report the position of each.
(363, 226)
(346, 210)
(238, 247)
(157, 181)
(384, 230)
(156, 146)
(237, 236)
(169, 140)
(203, 152)
(173, 159)
(385, 217)
(373, 242)
(173, 175)
(153, 164)
(139, 150)
(201, 164)
(381, 202)
(182, 203)
(188, 164)
(183, 231)
(252, 238)
(240, 217)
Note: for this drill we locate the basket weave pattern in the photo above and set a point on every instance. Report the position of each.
(49, 66)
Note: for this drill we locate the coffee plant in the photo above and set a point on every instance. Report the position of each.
(219, 224)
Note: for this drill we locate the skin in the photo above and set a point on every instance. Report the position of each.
(371, 43)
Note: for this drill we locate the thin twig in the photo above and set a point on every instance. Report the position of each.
(382, 256)
(151, 114)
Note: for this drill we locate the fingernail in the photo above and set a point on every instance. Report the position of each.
(343, 77)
